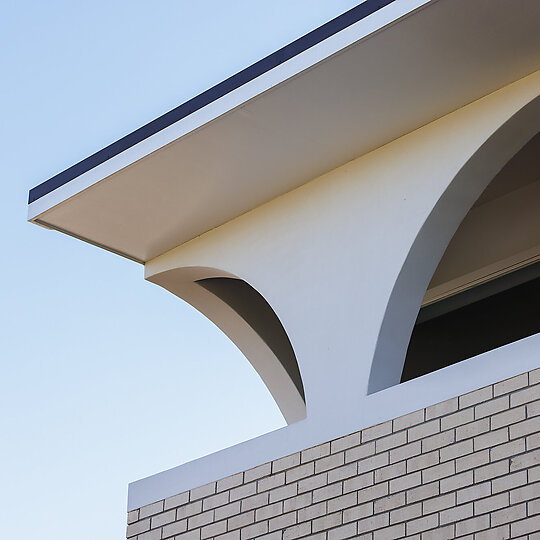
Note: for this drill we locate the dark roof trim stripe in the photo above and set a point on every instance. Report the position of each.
(219, 90)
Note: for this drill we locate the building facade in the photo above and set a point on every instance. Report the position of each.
(358, 212)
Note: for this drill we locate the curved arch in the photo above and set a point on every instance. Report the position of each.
(249, 321)
(434, 237)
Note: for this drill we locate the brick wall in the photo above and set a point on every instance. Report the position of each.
(468, 467)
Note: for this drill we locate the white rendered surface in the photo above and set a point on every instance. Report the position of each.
(336, 101)
(353, 251)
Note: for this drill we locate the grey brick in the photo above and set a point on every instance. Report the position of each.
(374, 522)
(252, 531)
(327, 492)
(269, 511)
(287, 462)
(390, 471)
(471, 461)
(405, 452)
(373, 462)
(490, 504)
(189, 510)
(282, 521)
(133, 516)
(214, 529)
(330, 462)
(360, 452)
(424, 430)
(345, 531)
(437, 504)
(405, 482)
(390, 502)
(493, 438)
(423, 461)
(326, 522)
(219, 499)
(531, 525)
(459, 418)
(344, 443)
(440, 533)
(458, 513)
(456, 450)
(358, 512)
(372, 492)
(150, 535)
(508, 514)
(391, 441)
(303, 471)
(408, 420)
(191, 535)
(438, 471)
(422, 492)
(344, 472)
(506, 418)
(508, 449)
(457, 481)
(441, 409)
(241, 492)
(223, 512)
(438, 441)
(202, 491)
(297, 531)
(498, 533)
(477, 396)
(162, 519)
(491, 471)
(472, 493)
(294, 503)
(472, 525)
(473, 429)
(283, 492)
(491, 407)
(534, 376)
(528, 460)
(176, 500)
(525, 396)
(255, 501)
(525, 493)
(509, 481)
(257, 472)
(510, 385)
(199, 520)
(344, 501)
(422, 524)
(312, 482)
(311, 512)
(390, 533)
(151, 509)
(316, 452)
(375, 432)
(406, 513)
(230, 482)
(270, 482)
(137, 528)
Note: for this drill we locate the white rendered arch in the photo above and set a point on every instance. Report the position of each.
(183, 282)
(329, 258)
(435, 235)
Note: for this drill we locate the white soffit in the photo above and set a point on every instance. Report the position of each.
(382, 77)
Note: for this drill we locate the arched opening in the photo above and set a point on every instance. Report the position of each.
(256, 311)
(247, 318)
(482, 294)
(463, 193)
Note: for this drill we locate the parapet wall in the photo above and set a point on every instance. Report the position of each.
(466, 467)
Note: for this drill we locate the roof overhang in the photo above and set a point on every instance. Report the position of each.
(382, 70)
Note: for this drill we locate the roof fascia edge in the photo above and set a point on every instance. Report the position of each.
(81, 175)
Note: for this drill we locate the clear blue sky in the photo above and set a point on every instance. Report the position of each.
(106, 378)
